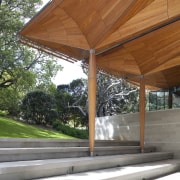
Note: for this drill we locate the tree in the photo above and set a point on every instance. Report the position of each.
(63, 98)
(12, 55)
(22, 69)
(78, 89)
(115, 96)
(17, 60)
(71, 102)
(9, 99)
(38, 106)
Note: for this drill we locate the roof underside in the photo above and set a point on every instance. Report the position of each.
(131, 38)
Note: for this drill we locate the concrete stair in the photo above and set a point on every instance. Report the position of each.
(20, 170)
(37, 149)
(144, 171)
(22, 159)
(174, 176)
(23, 154)
(33, 142)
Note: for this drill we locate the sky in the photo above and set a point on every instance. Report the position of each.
(70, 71)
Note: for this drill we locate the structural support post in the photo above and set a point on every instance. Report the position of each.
(170, 99)
(142, 97)
(92, 99)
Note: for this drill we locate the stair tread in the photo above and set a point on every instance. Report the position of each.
(174, 176)
(56, 140)
(126, 172)
(30, 142)
(64, 149)
(71, 148)
(41, 149)
(20, 170)
(75, 161)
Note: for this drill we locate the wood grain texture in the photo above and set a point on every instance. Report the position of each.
(92, 99)
(146, 33)
(142, 98)
(152, 53)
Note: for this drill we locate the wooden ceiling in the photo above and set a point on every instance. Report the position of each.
(131, 38)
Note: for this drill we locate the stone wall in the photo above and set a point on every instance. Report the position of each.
(162, 129)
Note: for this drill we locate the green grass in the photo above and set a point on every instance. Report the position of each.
(15, 129)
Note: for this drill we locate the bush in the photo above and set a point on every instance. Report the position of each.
(78, 133)
(3, 113)
(37, 106)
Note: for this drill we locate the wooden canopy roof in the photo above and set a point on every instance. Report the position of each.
(131, 38)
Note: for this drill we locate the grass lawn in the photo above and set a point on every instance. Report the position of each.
(15, 129)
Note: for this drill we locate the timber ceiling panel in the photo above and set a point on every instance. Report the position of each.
(131, 38)
(154, 52)
(146, 18)
(164, 79)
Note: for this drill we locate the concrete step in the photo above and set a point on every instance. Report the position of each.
(21, 170)
(174, 176)
(115, 150)
(133, 172)
(23, 154)
(32, 142)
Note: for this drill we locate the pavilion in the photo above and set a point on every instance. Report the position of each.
(138, 40)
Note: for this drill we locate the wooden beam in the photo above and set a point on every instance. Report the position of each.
(142, 97)
(92, 99)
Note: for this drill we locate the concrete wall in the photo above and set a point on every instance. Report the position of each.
(162, 129)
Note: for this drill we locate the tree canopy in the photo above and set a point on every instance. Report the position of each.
(22, 69)
(18, 63)
(71, 102)
(38, 107)
(114, 96)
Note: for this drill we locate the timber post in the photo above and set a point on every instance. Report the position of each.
(142, 97)
(92, 99)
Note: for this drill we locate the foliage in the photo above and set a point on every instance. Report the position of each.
(22, 69)
(37, 106)
(9, 101)
(78, 133)
(115, 96)
(16, 129)
(3, 113)
(62, 100)
(12, 55)
(158, 100)
(78, 90)
(71, 100)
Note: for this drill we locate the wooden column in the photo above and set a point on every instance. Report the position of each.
(142, 97)
(92, 99)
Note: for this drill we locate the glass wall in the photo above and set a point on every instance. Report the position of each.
(158, 100)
